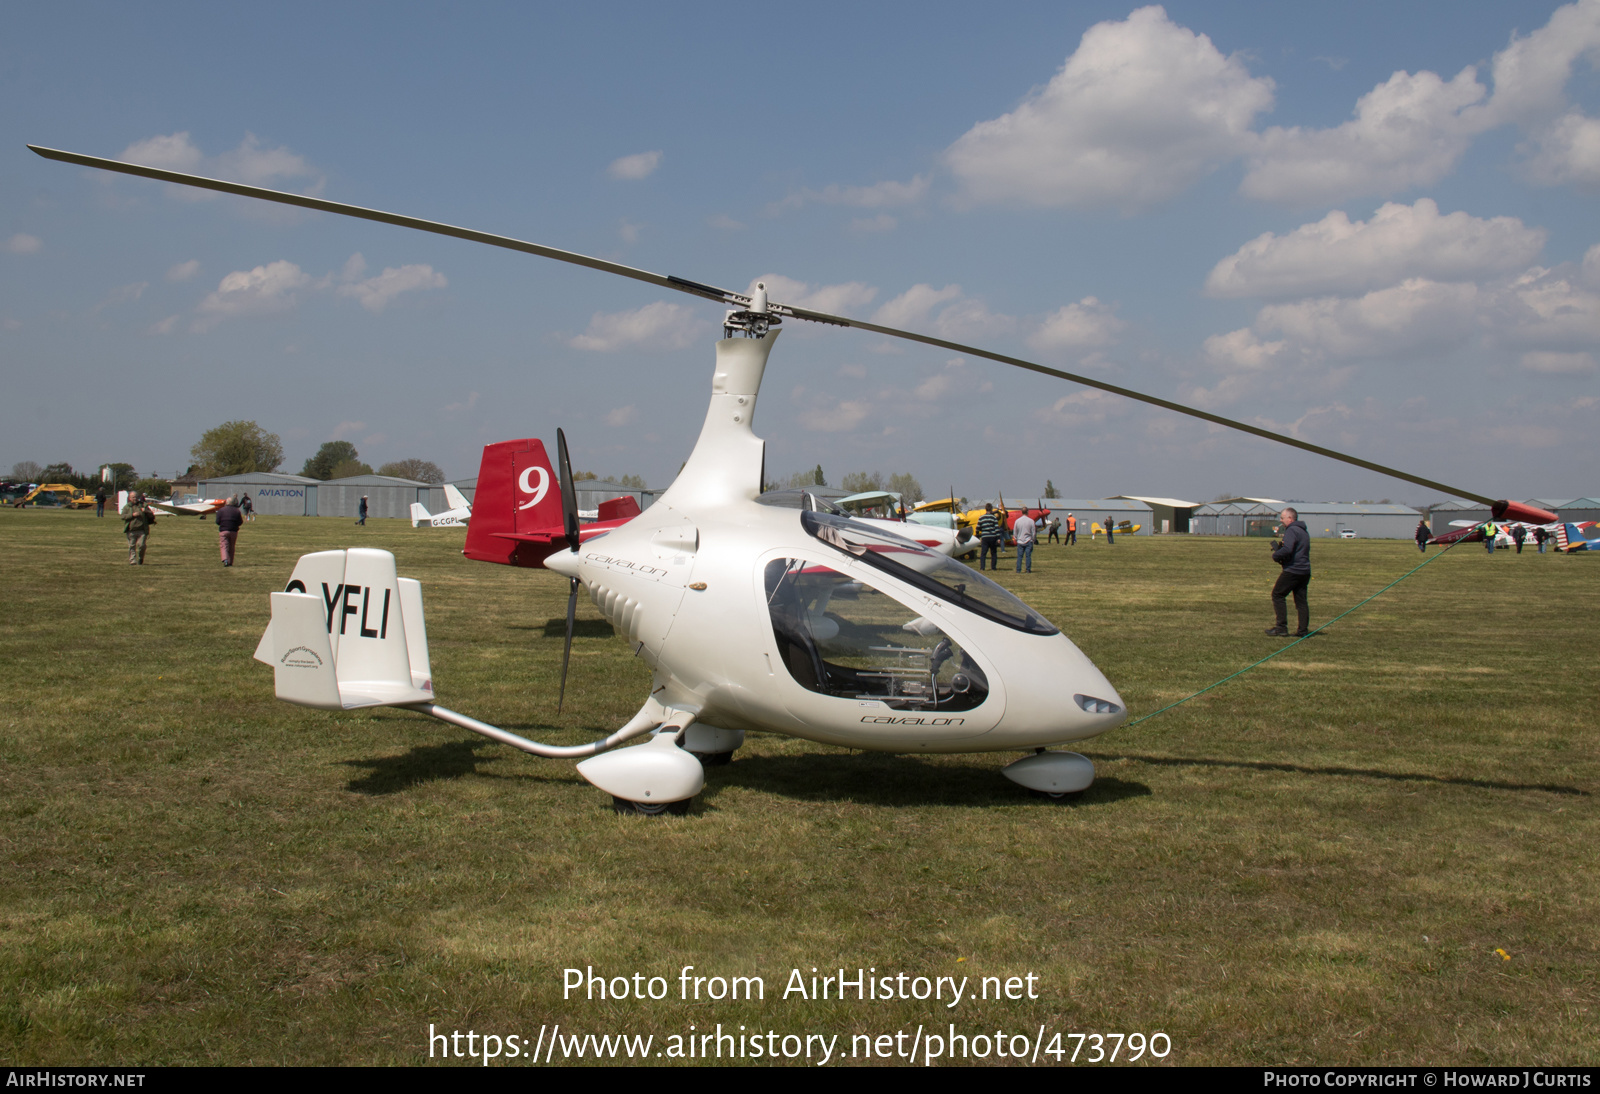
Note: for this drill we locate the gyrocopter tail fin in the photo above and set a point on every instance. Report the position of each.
(348, 632)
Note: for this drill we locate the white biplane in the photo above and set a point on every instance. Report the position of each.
(750, 616)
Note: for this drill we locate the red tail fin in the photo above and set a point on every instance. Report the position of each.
(517, 492)
(623, 508)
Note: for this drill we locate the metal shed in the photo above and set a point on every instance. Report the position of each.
(1168, 515)
(1236, 517)
(1087, 510)
(270, 492)
(1329, 519)
(1442, 514)
(386, 495)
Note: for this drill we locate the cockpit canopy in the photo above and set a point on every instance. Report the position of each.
(952, 582)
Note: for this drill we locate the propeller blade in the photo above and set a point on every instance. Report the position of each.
(569, 493)
(727, 297)
(566, 651)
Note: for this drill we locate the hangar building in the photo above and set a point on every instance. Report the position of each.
(1571, 509)
(1323, 519)
(295, 495)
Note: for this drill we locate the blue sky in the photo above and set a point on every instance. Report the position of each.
(1370, 226)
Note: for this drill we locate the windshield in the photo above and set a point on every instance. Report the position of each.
(927, 570)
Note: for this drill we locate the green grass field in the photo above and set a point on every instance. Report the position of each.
(1377, 848)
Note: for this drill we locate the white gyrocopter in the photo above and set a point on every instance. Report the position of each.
(750, 616)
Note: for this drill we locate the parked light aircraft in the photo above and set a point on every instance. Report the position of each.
(456, 516)
(749, 616)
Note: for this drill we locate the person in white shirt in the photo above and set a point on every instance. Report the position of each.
(1025, 531)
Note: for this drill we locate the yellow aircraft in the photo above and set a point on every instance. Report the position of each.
(1123, 528)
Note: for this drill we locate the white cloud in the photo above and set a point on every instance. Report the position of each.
(637, 166)
(1081, 408)
(183, 271)
(842, 299)
(249, 163)
(913, 307)
(122, 294)
(1083, 325)
(1531, 73)
(1549, 320)
(1543, 361)
(23, 244)
(265, 290)
(1565, 152)
(345, 430)
(725, 223)
(620, 416)
(658, 326)
(1142, 109)
(836, 416)
(173, 152)
(376, 292)
(1409, 131)
(882, 195)
(1417, 315)
(1333, 255)
(1242, 350)
(166, 326)
(883, 222)
(1545, 310)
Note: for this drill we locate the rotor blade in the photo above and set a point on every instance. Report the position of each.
(222, 186)
(569, 493)
(566, 651)
(1128, 393)
(725, 296)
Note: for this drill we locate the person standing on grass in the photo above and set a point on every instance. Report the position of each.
(1518, 534)
(1055, 530)
(229, 520)
(1294, 555)
(1423, 536)
(363, 519)
(137, 520)
(247, 507)
(1111, 530)
(1026, 530)
(100, 502)
(989, 537)
(1072, 530)
(1488, 537)
(1539, 536)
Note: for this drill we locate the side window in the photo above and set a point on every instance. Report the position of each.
(842, 637)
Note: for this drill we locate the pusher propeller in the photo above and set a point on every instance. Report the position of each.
(569, 520)
(753, 314)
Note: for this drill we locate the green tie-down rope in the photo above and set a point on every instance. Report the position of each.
(1297, 641)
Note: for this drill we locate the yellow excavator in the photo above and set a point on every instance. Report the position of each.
(56, 495)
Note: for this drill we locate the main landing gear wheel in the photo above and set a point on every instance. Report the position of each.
(713, 759)
(1064, 796)
(651, 809)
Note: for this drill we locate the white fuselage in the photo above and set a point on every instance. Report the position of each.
(689, 583)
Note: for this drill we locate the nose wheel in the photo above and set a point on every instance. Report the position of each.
(651, 809)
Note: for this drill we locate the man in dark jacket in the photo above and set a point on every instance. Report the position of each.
(1294, 555)
(989, 537)
(229, 520)
(137, 517)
